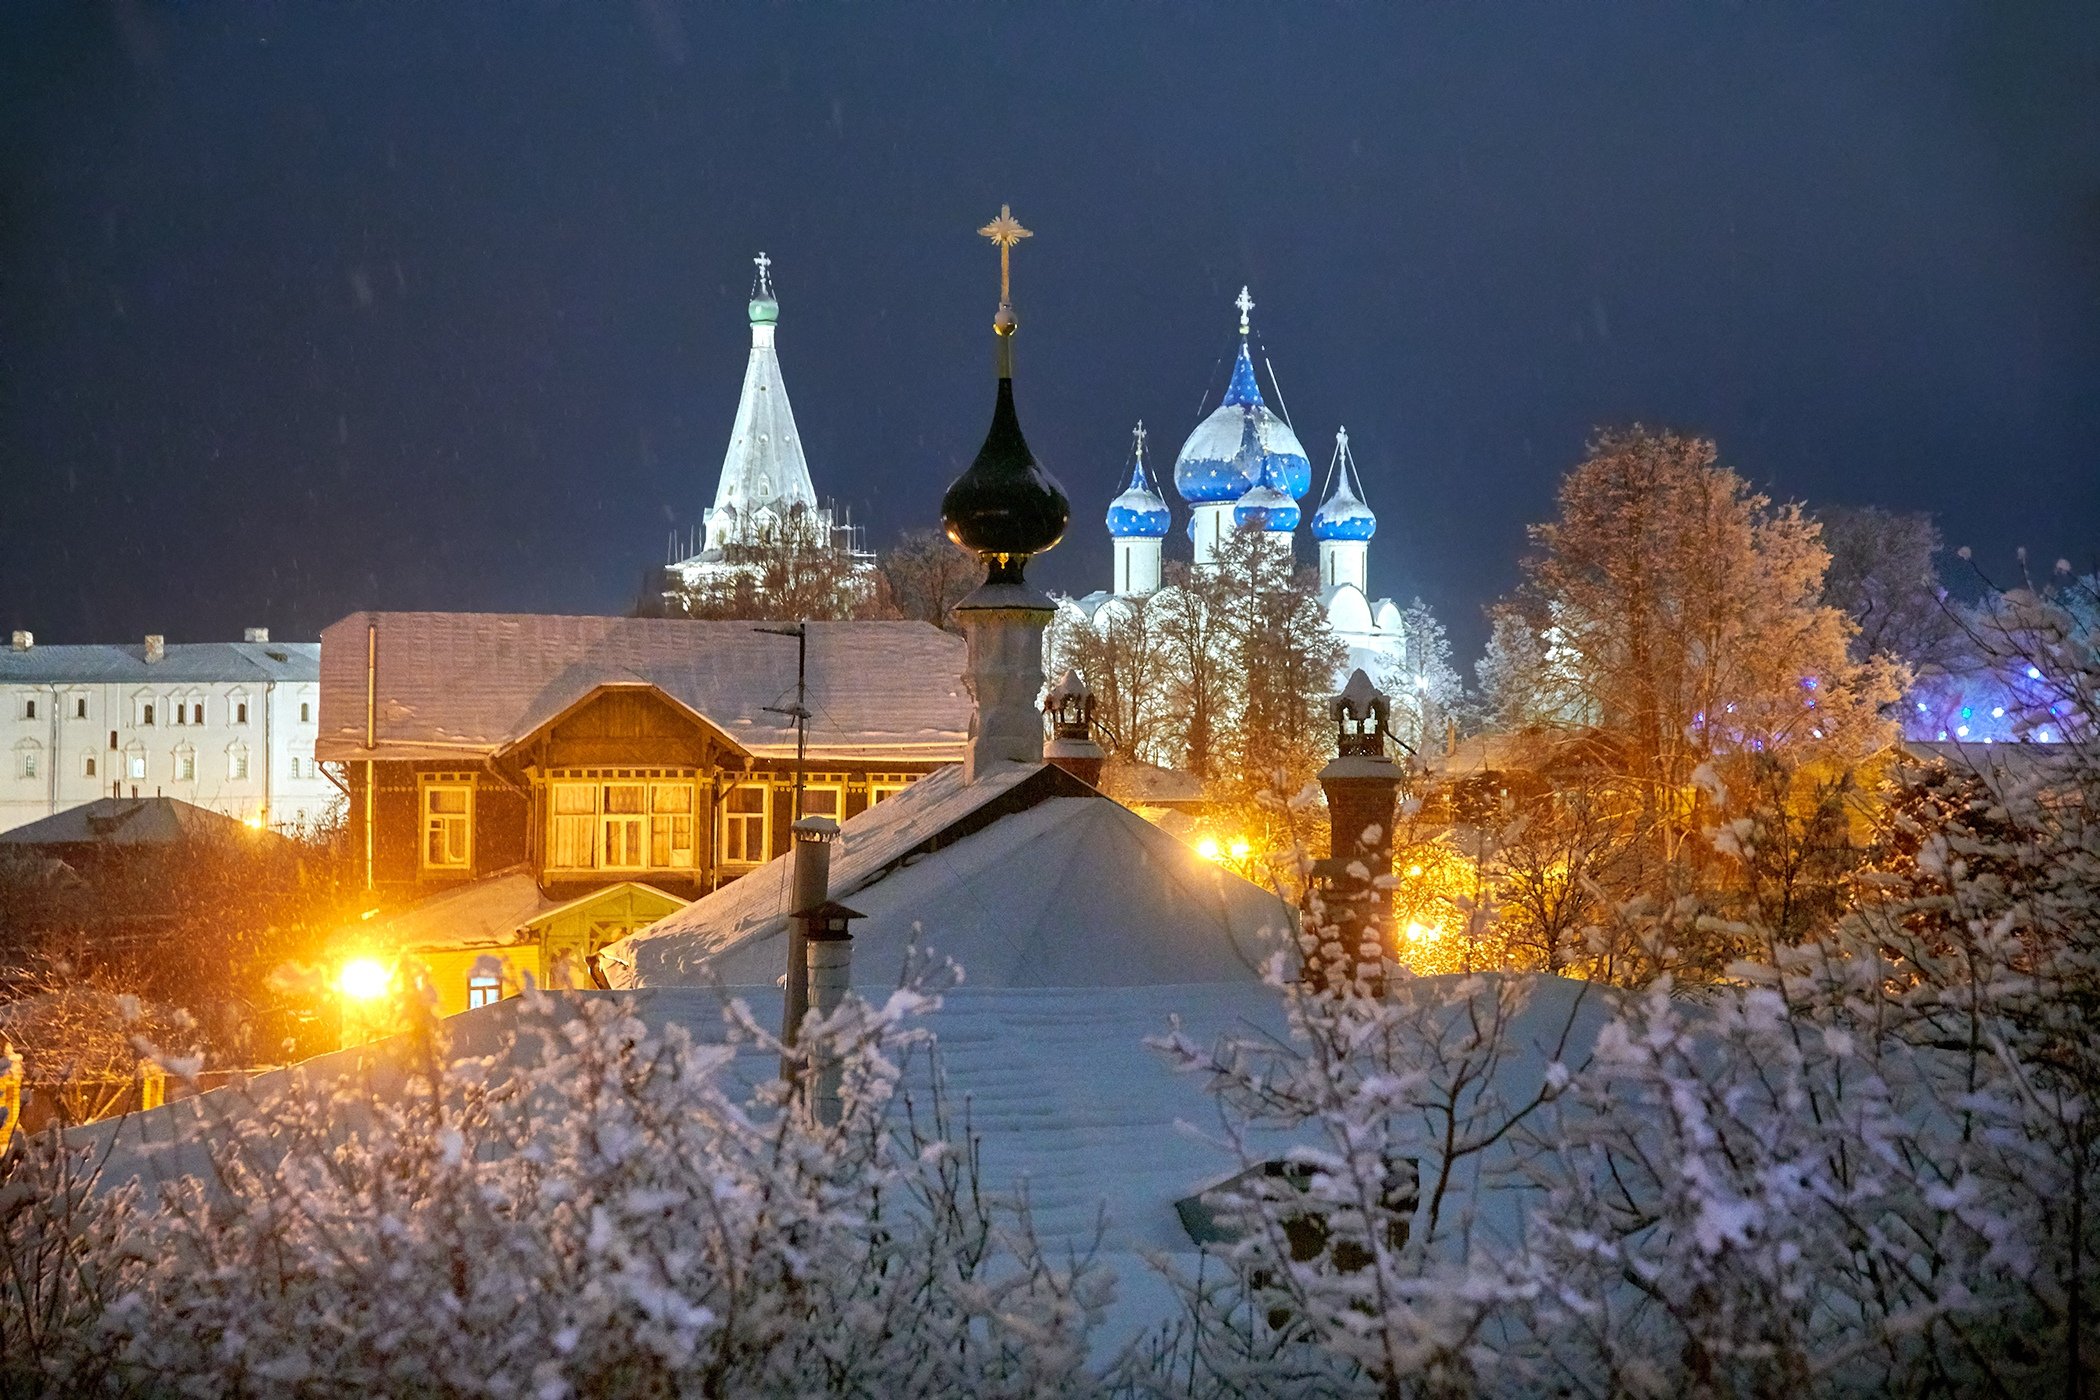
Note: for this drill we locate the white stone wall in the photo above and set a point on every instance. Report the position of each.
(73, 723)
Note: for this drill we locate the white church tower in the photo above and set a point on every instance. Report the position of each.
(1137, 521)
(1343, 525)
(765, 495)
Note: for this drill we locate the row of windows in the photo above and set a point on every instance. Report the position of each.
(627, 824)
(29, 762)
(153, 710)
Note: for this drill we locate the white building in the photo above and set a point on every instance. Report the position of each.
(1243, 468)
(227, 726)
(765, 495)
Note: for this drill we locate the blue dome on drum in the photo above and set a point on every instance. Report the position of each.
(1267, 506)
(1208, 467)
(1344, 519)
(1344, 516)
(1140, 513)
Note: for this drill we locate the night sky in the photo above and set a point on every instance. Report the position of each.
(308, 307)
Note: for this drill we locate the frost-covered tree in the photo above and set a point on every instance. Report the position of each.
(1863, 1163)
(1425, 689)
(598, 1209)
(925, 574)
(788, 570)
(1679, 612)
(1121, 650)
(1884, 575)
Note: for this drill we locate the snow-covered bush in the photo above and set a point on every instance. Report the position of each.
(598, 1209)
(1866, 1162)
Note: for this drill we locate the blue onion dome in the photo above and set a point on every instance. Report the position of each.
(1203, 470)
(1267, 506)
(1139, 513)
(1344, 516)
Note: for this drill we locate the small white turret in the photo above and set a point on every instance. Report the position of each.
(1344, 525)
(1137, 521)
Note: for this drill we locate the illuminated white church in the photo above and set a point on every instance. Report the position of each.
(1244, 469)
(765, 497)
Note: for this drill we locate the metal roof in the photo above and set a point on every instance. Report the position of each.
(463, 685)
(185, 663)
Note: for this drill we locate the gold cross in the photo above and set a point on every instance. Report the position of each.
(1005, 231)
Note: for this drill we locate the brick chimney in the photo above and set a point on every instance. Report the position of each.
(1070, 706)
(23, 641)
(156, 648)
(1351, 891)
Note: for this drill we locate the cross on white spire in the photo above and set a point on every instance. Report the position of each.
(1245, 302)
(765, 281)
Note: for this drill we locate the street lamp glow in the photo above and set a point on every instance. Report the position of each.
(1209, 849)
(1240, 848)
(364, 979)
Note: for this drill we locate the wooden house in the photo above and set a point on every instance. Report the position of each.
(597, 753)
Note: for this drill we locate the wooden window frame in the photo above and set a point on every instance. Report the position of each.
(731, 819)
(426, 818)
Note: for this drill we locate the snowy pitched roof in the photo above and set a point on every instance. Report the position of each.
(1027, 878)
(1065, 1099)
(495, 911)
(478, 914)
(184, 662)
(453, 685)
(127, 821)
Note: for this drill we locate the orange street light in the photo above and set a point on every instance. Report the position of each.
(364, 979)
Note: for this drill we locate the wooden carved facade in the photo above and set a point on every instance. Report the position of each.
(625, 785)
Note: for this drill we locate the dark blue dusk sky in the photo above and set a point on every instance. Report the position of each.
(306, 307)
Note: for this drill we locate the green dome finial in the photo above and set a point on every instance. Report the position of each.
(765, 310)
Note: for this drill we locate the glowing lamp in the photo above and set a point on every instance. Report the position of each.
(1419, 932)
(364, 979)
(1240, 849)
(1209, 849)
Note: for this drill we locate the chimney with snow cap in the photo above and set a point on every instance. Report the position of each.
(156, 648)
(1353, 886)
(1004, 509)
(255, 634)
(812, 885)
(1070, 706)
(828, 945)
(23, 641)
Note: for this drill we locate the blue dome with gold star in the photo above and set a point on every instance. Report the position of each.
(1209, 466)
(1267, 506)
(1140, 513)
(1344, 516)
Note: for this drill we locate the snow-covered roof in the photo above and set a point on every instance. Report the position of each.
(495, 911)
(454, 685)
(1026, 878)
(486, 912)
(129, 821)
(1065, 1099)
(189, 663)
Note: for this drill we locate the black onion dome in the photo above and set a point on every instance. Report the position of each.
(1005, 507)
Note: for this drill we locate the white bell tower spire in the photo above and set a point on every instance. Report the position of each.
(765, 477)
